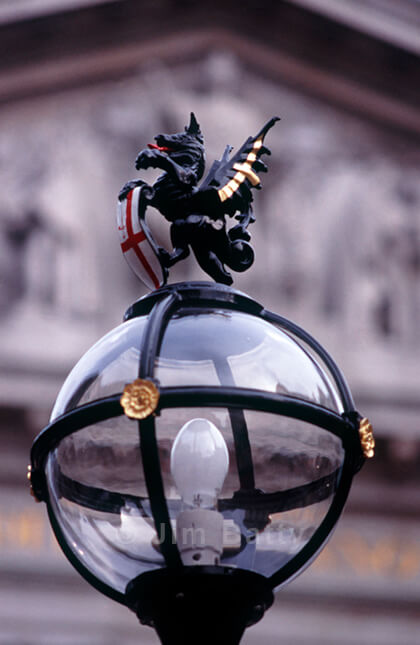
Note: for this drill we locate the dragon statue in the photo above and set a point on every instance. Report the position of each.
(197, 212)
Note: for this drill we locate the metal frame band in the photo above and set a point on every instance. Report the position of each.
(152, 338)
(336, 373)
(107, 590)
(195, 396)
(196, 293)
(240, 433)
(323, 532)
(157, 321)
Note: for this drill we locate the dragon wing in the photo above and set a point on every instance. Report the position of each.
(235, 177)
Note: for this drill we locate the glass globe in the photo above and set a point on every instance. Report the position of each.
(252, 391)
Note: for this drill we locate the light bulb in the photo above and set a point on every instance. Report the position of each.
(199, 463)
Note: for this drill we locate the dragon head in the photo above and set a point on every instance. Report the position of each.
(185, 148)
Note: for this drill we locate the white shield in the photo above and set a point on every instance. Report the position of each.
(135, 244)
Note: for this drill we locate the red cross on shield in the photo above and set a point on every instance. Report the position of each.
(137, 249)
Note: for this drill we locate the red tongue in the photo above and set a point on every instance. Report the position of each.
(154, 146)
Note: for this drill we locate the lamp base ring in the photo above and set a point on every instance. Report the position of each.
(199, 604)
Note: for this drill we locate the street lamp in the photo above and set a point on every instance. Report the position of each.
(198, 457)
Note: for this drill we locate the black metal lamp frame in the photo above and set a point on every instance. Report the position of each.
(194, 594)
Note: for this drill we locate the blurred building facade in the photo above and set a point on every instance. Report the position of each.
(83, 87)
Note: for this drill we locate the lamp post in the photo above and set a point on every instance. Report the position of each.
(198, 456)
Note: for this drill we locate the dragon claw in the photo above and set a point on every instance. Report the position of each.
(145, 159)
(133, 183)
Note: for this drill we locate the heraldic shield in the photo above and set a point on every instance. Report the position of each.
(137, 243)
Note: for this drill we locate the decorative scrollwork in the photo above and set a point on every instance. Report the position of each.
(140, 399)
(367, 440)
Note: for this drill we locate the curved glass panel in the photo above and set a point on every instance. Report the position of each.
(318, 358)
(97, 491)
(280, 480)
(208, 348)
(105, 368)
(235, 348)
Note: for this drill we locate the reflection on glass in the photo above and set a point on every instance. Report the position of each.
(104, 369)
(229, 348)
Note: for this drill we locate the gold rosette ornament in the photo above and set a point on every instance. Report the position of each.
(367, 440)
(140, 399)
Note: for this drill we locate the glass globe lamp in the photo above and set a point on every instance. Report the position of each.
(198, 458)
